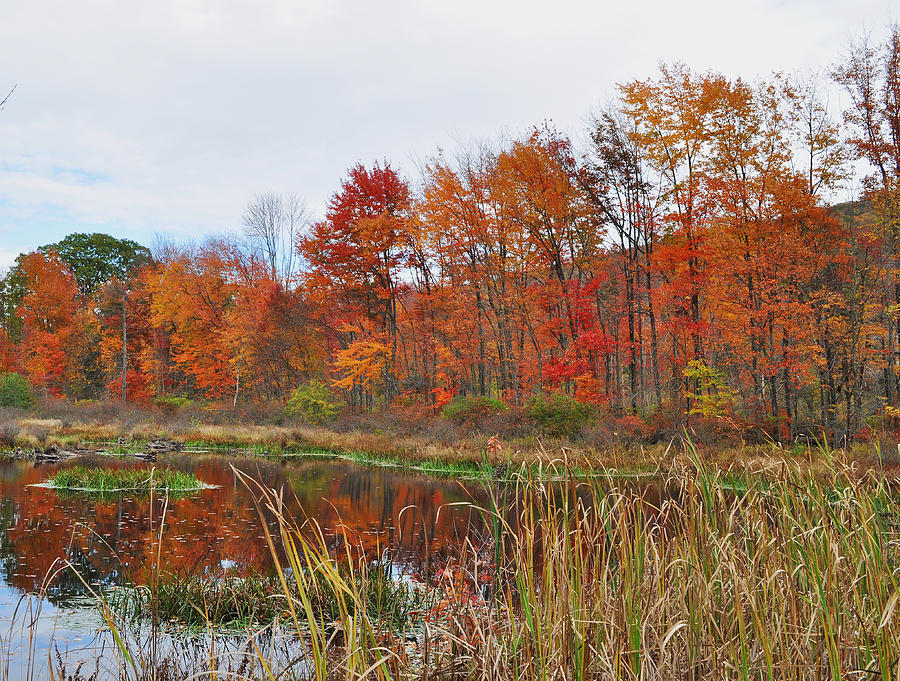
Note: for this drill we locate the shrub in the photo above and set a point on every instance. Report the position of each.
(509, 424)
(560, 415)
(629, 428)
(171, 403)
(9, 431)
(471, 409)
(14, 391)
(313, 403)
(714, 397)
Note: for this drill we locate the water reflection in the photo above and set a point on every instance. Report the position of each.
(113, 540)
(418, 521)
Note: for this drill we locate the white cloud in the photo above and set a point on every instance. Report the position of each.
(186, 108)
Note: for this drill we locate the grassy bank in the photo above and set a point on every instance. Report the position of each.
(474, 455)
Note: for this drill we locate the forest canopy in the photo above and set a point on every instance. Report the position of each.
(685, 262)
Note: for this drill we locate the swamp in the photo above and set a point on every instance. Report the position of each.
(308, 567)
(445, 342)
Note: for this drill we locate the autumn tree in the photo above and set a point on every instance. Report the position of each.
(870, 74)
(191, 296)
(48, 311)
(355, 257)
(482, 259)
(760, 209)
(271, 329)
(103, 266)
(624, 194)
(671, 115)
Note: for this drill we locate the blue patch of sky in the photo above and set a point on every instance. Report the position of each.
(50, 223)
(76, 176)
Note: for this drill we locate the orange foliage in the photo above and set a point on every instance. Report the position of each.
(48, 310)
(689, 233)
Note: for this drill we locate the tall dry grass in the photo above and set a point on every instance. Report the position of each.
(700, 576)
(790, 577)
(467, 453)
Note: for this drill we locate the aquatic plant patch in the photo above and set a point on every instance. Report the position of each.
(233, 600)
(107, 480)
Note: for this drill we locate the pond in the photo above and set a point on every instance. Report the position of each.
(410, 520)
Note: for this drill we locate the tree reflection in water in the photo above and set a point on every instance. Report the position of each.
(113, 540)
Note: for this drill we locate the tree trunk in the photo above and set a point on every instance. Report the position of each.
(124, 350)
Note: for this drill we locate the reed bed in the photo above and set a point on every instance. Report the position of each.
(789, 578)
(786, 576)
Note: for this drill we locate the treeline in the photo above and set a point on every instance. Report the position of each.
(685, 261)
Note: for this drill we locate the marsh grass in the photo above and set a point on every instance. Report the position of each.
(112, 480)
(790, 577)
(235, 601)
(722, 576)
(785, 578)
(125, 448)
(200, 601)
(462, 454)
(435, 467)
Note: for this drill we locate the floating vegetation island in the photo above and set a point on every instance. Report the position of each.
(111, 480)
(230, 599)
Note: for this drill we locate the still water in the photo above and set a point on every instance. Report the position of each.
(114, 541)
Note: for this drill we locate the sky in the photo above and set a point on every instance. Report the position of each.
(167, 117)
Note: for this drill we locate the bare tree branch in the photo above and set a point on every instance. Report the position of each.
(8, 95)
(272, 223)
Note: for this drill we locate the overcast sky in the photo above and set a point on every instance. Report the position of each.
(168, 116)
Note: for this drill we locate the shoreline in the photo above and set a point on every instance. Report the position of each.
(475, 457)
